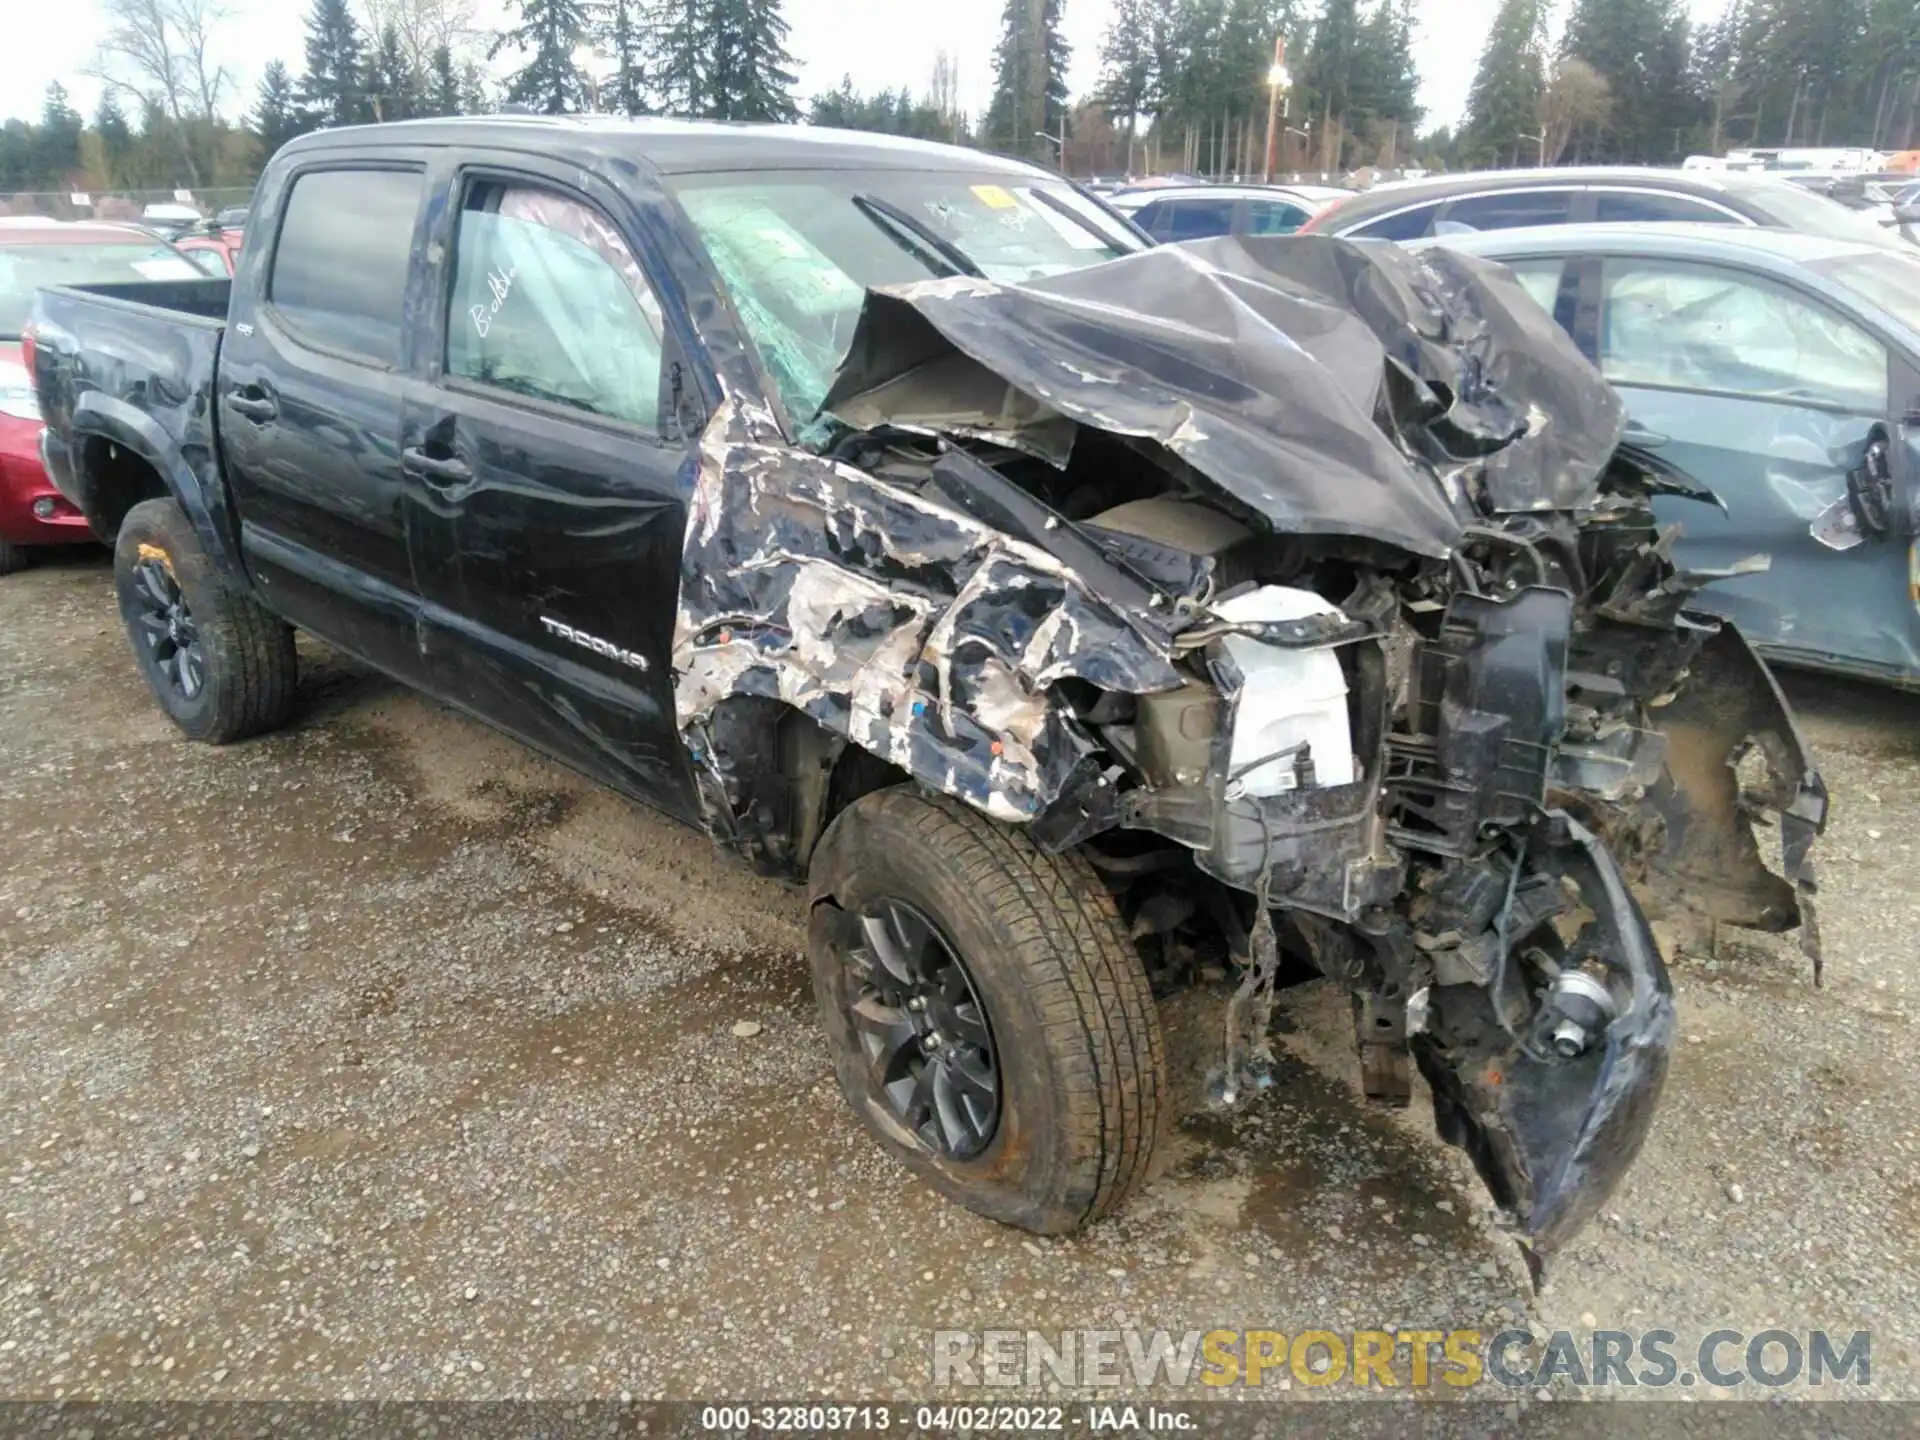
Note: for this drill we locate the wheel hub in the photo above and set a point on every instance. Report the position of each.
(923, 1031)
(166, 625)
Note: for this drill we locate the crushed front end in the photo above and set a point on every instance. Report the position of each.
(1306, 588)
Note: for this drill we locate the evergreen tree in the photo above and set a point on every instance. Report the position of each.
(623, 37)
(1640, 48)
(1332, 59)
(116, 136)
(1029, 79)
(276, 113)
(1127, 70)
(393, 89)
(58, 142)
(548, 33)
(1504, 104)
(681, 60)
(444, 95)
(331, 92)
(476, 93)
(751, 78)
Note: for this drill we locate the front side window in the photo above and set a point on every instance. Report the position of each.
(1512, 210)
(797, 251)
(1415, 224)
(1701, 327)
(1274, 217)
(549, 303)
(339, 275)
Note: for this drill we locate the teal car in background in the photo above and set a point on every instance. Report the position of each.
(1781, 371)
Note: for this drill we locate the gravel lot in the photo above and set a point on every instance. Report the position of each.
(381, 1057)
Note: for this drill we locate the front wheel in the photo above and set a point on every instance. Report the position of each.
(219, 663)
(989, 1019)
(14, 557)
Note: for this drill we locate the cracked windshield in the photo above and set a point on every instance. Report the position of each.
(798, 252)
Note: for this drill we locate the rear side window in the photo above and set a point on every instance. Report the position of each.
(1415, 224)
(1194, 219)
(1274, 217)
(1514, 210)
(339, 277)
(1541, 280)
(1628, 207)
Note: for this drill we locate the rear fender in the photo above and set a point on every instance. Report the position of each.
(97, 415)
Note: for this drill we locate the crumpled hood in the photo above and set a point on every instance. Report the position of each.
(1329, 386)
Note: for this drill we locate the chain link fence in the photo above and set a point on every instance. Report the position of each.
(207, 203)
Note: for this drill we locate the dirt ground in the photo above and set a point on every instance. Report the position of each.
(380, 1057)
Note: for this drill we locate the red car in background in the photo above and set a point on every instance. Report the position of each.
(215, 250)
(34, 253)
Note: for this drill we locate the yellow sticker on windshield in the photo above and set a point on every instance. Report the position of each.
(995, 198)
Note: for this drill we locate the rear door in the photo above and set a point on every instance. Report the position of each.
(1767, 394)
(548, 454)
(309, 406)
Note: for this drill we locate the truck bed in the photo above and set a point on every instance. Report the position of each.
(204, 301)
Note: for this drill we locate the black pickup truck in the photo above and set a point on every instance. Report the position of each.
(1076, 619)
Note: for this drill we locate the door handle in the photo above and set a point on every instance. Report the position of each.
(435, 469)
(1642, 437)
(254, 403)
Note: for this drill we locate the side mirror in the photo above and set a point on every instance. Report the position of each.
(1880, 500)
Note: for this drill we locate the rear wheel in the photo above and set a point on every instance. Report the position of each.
(989, 1019)
(220, 665)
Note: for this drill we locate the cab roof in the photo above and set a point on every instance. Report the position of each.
(672, 146)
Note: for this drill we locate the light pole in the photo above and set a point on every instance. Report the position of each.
(1059, 141)
(1278, 81)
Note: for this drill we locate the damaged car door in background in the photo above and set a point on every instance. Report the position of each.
(1779, 372)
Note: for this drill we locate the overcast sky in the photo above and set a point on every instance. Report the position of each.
(880, 43)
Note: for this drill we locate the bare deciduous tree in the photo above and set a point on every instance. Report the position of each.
(424, 26)
(159, 52)
(1577, 95)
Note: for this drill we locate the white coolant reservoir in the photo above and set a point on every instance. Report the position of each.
(1288, 696)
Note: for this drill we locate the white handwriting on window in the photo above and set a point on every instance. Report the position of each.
(500, 282)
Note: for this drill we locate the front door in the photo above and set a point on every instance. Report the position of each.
(309, 409)
(1767, 395)
(547, 474)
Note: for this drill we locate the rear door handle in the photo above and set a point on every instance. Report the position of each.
(436, 469)
(254, 403)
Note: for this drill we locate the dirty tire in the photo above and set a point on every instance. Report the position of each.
(248, 655)
(1082, 1067)
(14, 557)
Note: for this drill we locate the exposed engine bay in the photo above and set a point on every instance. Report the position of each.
(1307, 589)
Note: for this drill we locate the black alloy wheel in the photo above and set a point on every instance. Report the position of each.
(923, 1031)
(166, 625)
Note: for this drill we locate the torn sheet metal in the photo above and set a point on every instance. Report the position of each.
(1323, 385)
(913, 630)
